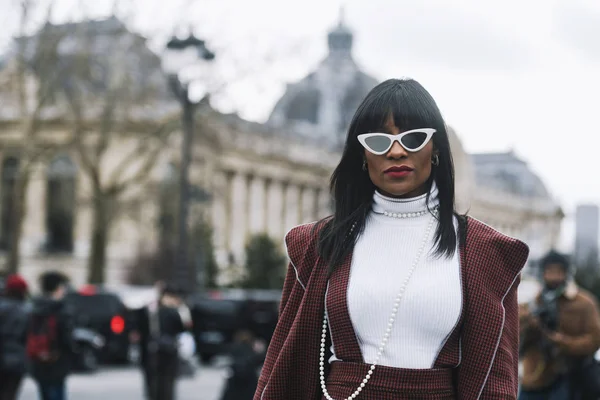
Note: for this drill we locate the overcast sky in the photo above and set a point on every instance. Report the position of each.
(506, 74)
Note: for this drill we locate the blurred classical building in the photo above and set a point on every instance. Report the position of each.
(260, 178)
(57, 101)
(510, 197)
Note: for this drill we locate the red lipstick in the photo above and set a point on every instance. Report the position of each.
(398, 171)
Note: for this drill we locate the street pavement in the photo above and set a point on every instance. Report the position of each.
(126, 384)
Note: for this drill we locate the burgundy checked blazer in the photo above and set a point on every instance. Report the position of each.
(483, 348)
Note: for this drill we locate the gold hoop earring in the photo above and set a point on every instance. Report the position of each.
(435, 160)
(364, 166)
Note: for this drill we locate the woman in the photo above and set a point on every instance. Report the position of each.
(13, 327)
(396, 296)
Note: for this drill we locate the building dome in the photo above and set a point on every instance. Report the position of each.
(507, 173)
(340, 39)
(321, 106)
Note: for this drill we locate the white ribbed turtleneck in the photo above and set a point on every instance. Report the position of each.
(432, 302)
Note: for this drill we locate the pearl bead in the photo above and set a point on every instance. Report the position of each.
(434, 211)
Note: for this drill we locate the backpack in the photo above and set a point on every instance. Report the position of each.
(42, 339)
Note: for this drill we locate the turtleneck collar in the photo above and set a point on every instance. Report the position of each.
(383, 203)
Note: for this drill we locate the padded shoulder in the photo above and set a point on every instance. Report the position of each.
(512, 252)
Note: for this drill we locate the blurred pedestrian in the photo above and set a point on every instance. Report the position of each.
(13, 329)
(186, 341)
(159, 325)
(243, 372)
(50, 338)
(560, 333)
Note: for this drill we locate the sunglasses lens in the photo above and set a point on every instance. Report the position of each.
(413, 140)
(378, 143)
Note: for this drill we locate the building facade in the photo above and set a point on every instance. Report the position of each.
(261, 178)
(510, 197)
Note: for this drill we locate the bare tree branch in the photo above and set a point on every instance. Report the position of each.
(142, 175)
(144, 147)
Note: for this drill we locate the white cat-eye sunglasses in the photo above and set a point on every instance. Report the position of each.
(380, 143)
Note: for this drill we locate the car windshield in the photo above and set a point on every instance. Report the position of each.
(94, 305)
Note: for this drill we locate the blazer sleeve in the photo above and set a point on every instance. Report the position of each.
(288, 285)
(299, 248)
(503, 379)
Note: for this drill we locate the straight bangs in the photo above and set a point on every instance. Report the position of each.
(409, 108)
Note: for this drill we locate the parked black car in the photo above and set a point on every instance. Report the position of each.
(218, 315)
(102, 312)
(215, 323)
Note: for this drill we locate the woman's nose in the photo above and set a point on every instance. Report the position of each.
(396, 151)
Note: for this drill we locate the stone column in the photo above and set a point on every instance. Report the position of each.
(34, 224)
(292, 208)
(256, 206)
(276, 208)
(239, 216)
(266, 204)
(308, 203)
(247, 206)
(221, 216)
(83, 217)
(325, 207)
(316, 211)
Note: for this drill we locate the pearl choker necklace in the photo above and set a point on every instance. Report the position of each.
(408, 215)
(391, 321)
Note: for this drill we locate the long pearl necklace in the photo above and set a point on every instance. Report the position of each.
(388, 331)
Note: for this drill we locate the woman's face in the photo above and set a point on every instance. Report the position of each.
(409, 183)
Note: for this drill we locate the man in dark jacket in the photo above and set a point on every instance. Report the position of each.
(13, 328)
(159, 326)
(49, 338)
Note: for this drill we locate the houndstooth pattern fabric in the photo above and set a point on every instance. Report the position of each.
(344, 338)
(390, 383)
(490, 336)
(484, 345)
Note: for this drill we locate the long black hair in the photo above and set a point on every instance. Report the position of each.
(411, 107)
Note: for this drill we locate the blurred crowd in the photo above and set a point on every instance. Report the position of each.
(62, 331)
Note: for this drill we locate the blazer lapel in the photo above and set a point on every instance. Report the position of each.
(451, 352)
(344, 338)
